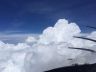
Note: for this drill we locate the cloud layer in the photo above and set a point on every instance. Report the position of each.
(48, 50)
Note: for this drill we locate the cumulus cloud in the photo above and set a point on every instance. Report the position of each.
(49, 50)
(57, 33)
(31, 39)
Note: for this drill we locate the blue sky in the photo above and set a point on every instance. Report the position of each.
(32, 16)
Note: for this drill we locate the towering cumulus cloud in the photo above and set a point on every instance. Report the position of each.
(58, 46)
(61, 32)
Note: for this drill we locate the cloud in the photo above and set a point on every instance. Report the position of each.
(46, 51)
(57, 33)
(10, 37)
(31, 39)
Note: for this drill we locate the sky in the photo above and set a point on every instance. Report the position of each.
(33, 16)
(24, 46)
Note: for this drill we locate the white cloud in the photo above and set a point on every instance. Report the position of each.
(31, 39)
(57, 33)
(39, 53)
